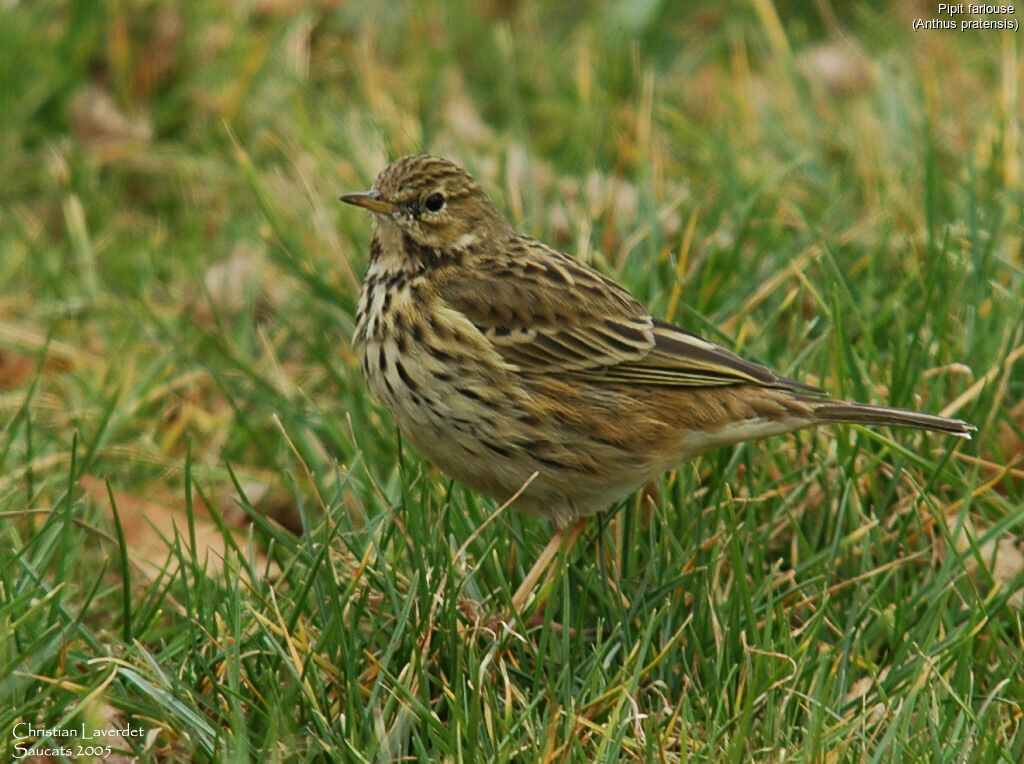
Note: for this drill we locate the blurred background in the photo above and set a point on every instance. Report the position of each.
(816, 185)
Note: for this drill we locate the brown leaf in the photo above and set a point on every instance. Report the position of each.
(840, 67)
(228, 286)
(97, 120)
(151, 526)
(1003, 557)
(15, 369)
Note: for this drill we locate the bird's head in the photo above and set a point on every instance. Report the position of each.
(435, 202)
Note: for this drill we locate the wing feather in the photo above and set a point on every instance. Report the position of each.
(548, 313)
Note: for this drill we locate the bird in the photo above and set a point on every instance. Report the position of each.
(521, 371)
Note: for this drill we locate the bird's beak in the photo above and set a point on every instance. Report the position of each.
(370, 200)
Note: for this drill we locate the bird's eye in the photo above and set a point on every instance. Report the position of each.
(434, 203)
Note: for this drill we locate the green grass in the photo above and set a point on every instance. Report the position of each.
(176, 296)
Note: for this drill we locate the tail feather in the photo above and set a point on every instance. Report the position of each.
(863, 413)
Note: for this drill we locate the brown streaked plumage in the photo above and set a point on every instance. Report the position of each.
(499, 357)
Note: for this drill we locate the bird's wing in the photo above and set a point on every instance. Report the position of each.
(548, 313)
(681, 359)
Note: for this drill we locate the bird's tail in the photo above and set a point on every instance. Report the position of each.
(863, 413)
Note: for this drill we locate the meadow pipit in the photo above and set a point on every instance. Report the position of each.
(500, 357)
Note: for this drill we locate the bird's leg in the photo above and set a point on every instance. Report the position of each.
(525, 591)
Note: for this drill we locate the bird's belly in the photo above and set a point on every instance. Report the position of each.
(495, 434)
(462, 421)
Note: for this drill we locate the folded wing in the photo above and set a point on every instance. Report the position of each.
(548, 313)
